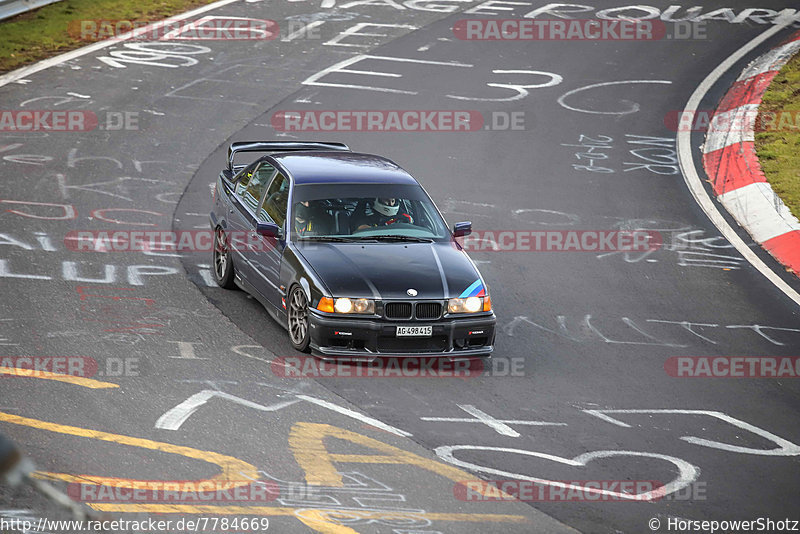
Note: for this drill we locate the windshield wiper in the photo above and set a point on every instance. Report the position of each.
(333, 238)
(407, 238)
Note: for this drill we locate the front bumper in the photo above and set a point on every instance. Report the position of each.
(336, 337)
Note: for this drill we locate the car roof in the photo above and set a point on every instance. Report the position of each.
(328, 166)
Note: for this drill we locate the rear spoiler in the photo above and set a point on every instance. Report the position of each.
(279, 146)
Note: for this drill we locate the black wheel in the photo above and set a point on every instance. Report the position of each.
(297, 311)
(223, 262)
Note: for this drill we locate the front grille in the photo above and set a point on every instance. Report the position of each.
(398, 310)
(428, 310)
(412, 344)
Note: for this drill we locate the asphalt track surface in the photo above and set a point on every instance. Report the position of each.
(585, 332)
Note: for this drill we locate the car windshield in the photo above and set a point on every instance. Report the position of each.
(365, 212)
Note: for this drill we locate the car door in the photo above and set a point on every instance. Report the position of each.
(265, 256)
(245, 202)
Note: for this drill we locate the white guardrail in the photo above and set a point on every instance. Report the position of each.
(9, 8)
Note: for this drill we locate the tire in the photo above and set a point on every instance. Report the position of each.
(222, 260)
(297, 318)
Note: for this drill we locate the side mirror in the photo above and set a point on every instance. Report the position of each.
(462, 228)
(268, 229)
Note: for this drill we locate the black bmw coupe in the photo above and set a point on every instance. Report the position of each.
(348, 252)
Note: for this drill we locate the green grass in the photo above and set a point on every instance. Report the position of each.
(779, 149)
(43, 33)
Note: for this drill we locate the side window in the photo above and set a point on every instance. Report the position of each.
(254, 190)
(276, 200)
(244, 178)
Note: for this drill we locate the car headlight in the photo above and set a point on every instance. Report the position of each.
(363, 306)
(469, 305)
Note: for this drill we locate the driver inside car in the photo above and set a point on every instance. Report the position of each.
(383, 212)
(310, 219)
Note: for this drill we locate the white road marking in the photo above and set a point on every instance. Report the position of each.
(688, 326)
(785, 448)
(692, 178)
(174, 418)
(355, 31)
(69, 272)
(69, 209)
(522, 90)
(340, 67)
(687, 473)
(186, 350)
(355, 415)
(237, 349)
(6, 273)
(759, 329)
(633, 109)
(498, 425)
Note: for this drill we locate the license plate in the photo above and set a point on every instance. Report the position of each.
(414, 331)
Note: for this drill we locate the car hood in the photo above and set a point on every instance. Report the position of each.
(389, 270)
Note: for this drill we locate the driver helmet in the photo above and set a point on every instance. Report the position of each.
(387, 206)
